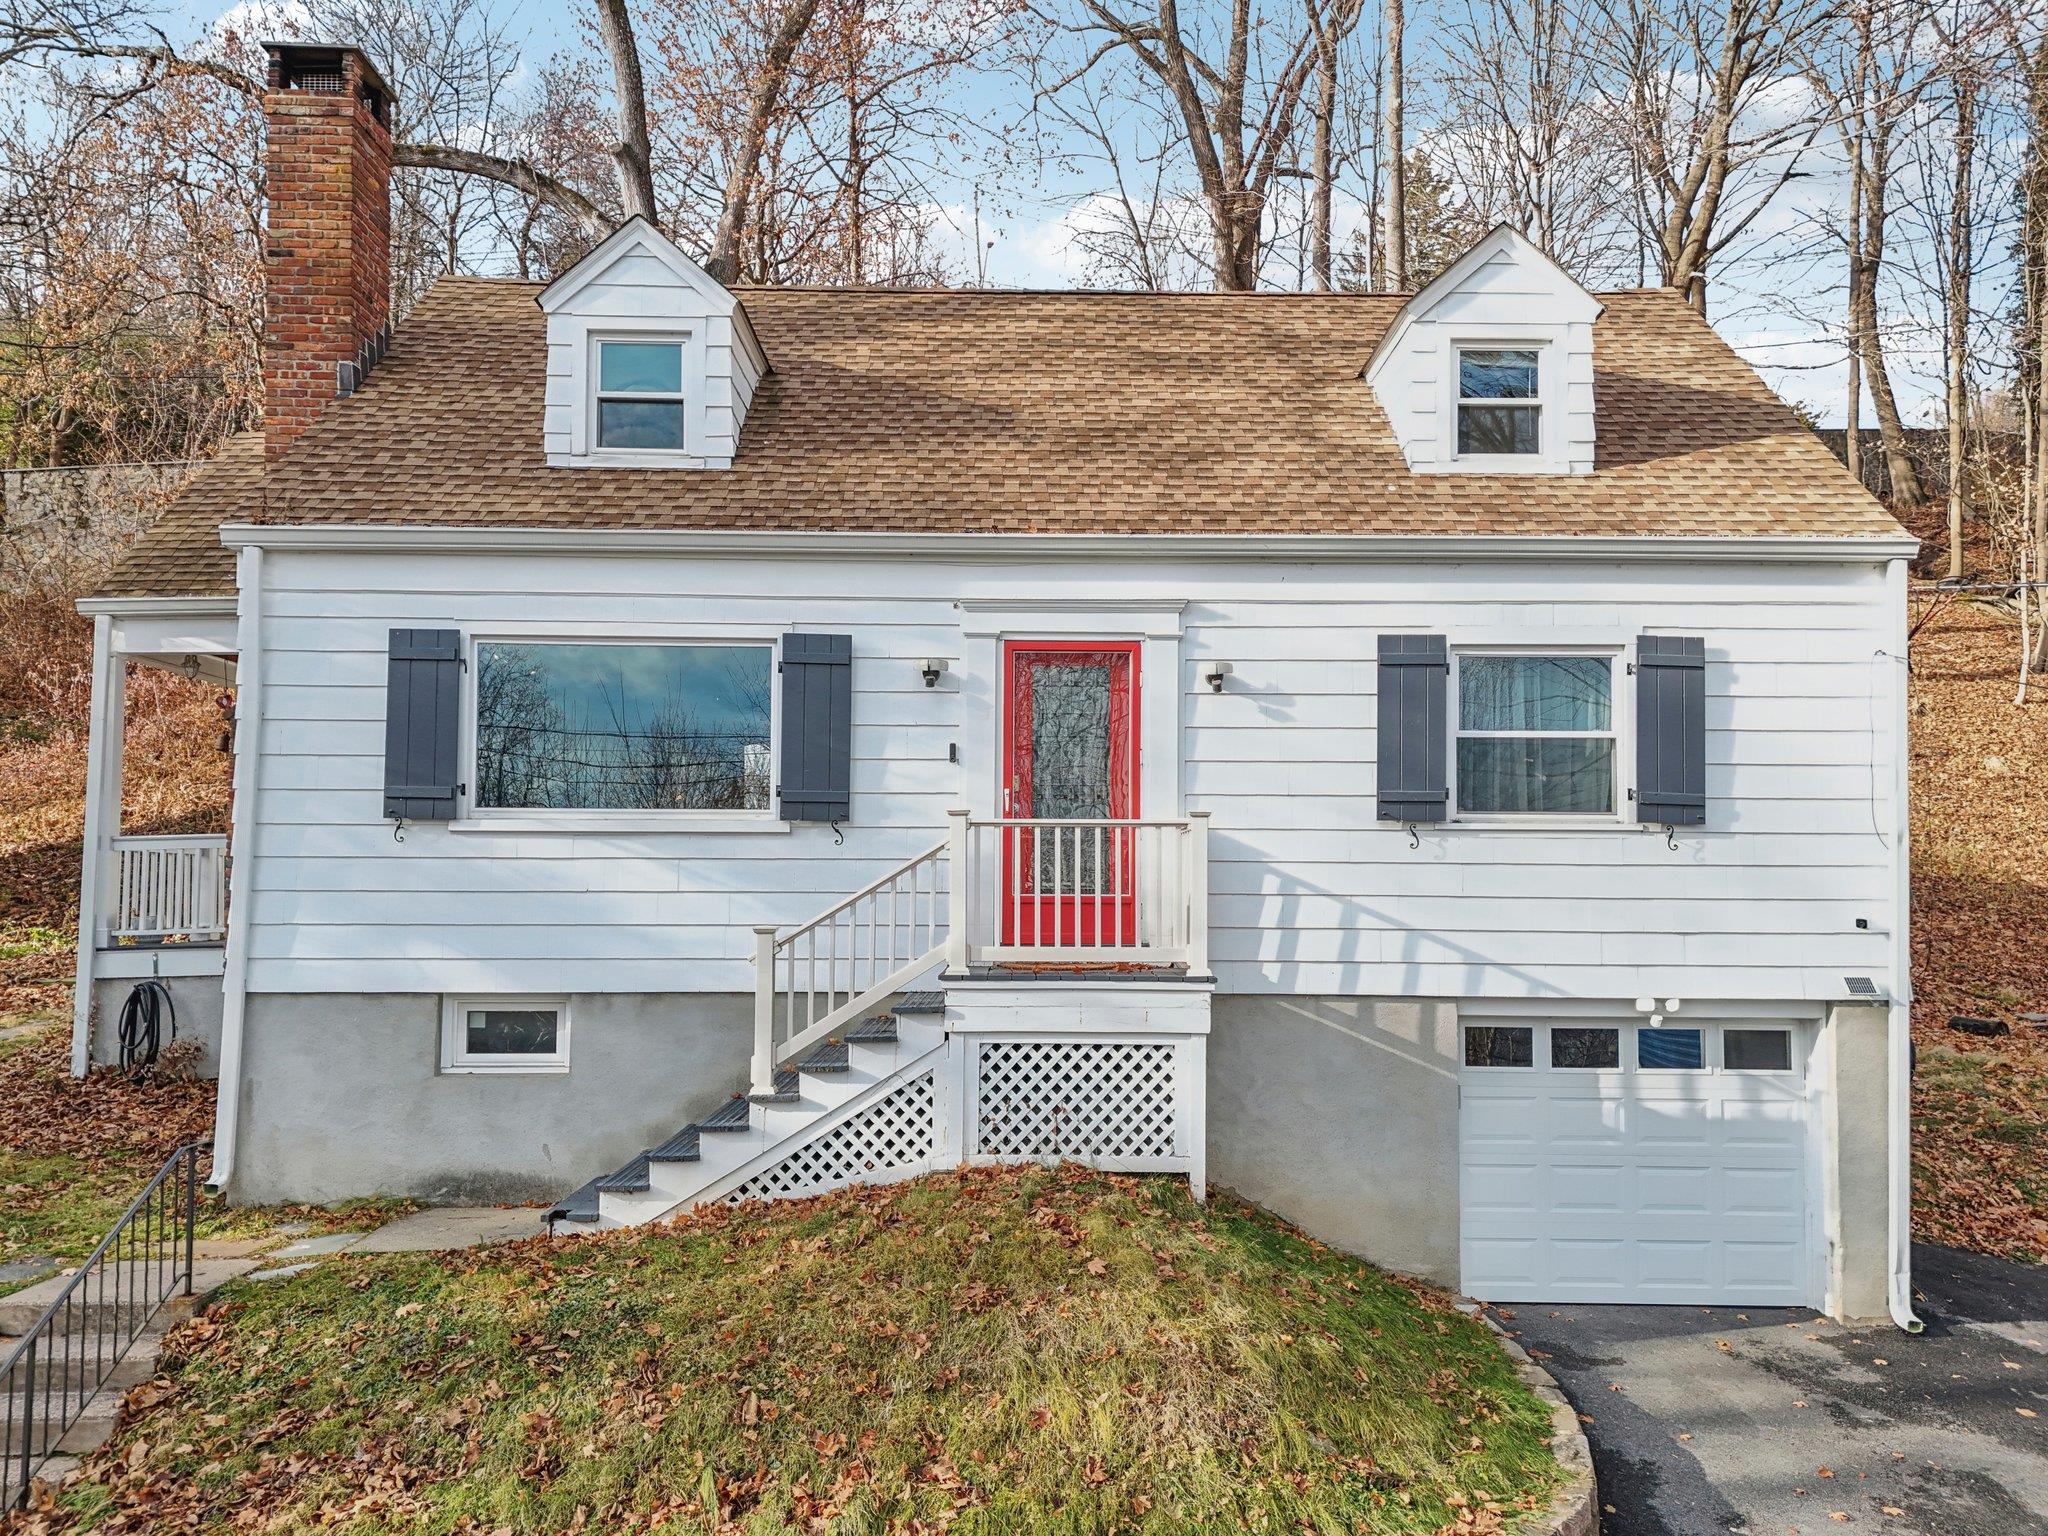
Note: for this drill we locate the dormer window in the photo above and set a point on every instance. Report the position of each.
(640, 395)
(1500, 411)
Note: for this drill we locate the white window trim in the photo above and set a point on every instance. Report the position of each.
(455, 1059)
(1550, 400)
(599, 394)
(1621, 728)
(1459, 400)
(519, 819)
(586, 447)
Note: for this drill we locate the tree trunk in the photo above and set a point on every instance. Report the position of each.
(1852, 403)
(633, 155)
(1394, 237)
(1959, 233)
(745, 171)
(1906, 494)
(1322, 156)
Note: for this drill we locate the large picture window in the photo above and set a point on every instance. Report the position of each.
(595, 726)
(1535, 735)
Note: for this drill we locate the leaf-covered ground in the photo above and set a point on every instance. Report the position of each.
(988, 1352)
(1980, 935)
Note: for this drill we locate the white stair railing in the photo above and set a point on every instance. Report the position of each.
(169, 887)
(1015, 890)
(826, 972)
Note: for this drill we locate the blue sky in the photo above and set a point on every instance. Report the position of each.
(1777, 302)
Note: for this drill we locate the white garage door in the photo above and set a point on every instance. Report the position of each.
(1604, 1161)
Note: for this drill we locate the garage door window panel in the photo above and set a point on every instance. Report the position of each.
(1670, 1050)
(1756, 1050)
(1585, 1049)
(1501, 1046)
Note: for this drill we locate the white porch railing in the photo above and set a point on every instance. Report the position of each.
(1090, 891)
(169, 888)
(1009, 891)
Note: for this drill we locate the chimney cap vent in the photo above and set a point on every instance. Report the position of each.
(322, 69)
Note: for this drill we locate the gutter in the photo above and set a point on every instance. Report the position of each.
(418, 538)
(1899, 1034)
(227, 1111)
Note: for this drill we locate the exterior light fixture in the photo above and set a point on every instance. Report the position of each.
(1213, 673)
(934, 668)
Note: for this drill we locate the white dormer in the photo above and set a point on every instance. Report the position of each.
(651, 362)
(1489, 369)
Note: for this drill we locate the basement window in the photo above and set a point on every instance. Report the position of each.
(505, 1034)
(640, 395)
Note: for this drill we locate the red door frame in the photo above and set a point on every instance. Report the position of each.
(1042, 920)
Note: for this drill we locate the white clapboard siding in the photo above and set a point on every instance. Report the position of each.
(1310, 893)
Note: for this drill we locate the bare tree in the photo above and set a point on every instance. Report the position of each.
(1702, 85)
(1538, 143)
(1235, 79)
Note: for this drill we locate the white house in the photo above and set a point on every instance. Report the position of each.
(1433, 764)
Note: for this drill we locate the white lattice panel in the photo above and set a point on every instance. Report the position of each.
(893, 1132)
(1104, 1101)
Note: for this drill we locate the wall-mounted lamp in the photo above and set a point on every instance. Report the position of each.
(934, 669)
(1213, 673)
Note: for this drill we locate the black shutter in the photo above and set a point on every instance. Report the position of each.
(422, 701)
(1671, 730)
(1415, 673)
(817, 727)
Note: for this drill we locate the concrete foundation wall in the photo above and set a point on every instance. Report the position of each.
(1341, 1114)
(343, 1095)
(1859, 1258)
(195, 998)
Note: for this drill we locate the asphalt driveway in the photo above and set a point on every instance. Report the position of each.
(1773, 1422)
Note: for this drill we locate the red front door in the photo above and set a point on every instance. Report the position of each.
(1070, 754)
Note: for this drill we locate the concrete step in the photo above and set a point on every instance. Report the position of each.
(94, 1305)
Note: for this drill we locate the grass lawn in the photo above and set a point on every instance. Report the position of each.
(73, 1155)
(1015, 1351)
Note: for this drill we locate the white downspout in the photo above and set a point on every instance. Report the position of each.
(1900, 1022)
(93, 846)
(242, 858)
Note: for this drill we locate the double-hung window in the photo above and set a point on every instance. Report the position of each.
(640, 395)
(623, 726)
(1535, 735)
(1500, 411)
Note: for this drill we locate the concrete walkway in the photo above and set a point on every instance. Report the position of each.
(1773, 1422)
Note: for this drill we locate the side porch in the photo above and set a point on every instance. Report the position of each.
(153, 904)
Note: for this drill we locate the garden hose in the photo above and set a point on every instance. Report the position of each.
(143, 1017)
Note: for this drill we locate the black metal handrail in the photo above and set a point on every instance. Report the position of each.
(73, 1346)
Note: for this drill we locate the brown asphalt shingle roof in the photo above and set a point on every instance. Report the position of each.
(992, 412)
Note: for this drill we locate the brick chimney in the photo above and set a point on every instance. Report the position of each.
(327, 252)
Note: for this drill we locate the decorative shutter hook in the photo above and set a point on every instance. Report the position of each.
(1414, 836)
(398, 829)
